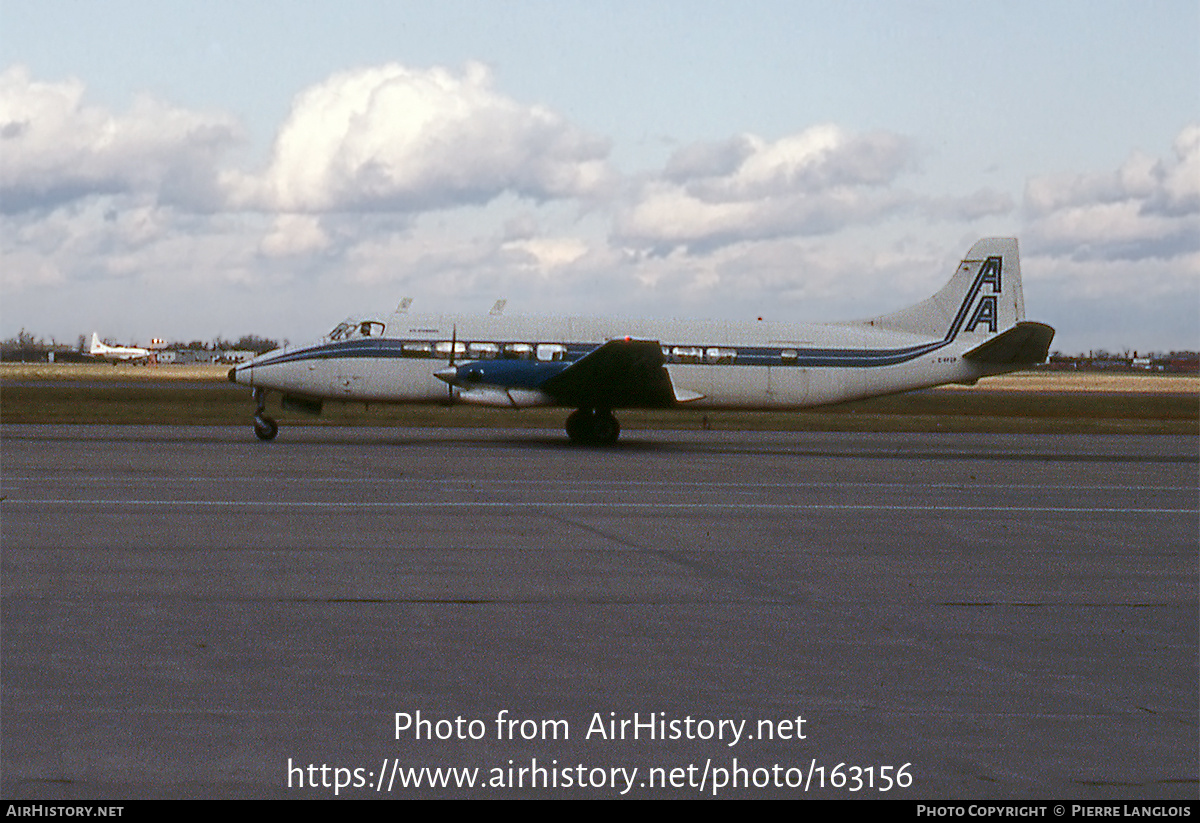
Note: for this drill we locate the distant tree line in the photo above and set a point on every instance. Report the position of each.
(1175, 362)
(248, 342)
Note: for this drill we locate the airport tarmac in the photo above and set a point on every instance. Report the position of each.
(188, 612)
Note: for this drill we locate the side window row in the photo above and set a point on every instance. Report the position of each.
(719, 356)
(546, 352)
(712, 355)
(476, 350)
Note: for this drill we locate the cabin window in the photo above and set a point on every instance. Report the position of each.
(483, 351)
(442, 348)
(518, 351)
(687, 354)
(789, 356)
(720, 356)
(417, 349)
(551, 352)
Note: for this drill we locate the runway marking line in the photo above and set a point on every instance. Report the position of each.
(601, 485)
(596, 505)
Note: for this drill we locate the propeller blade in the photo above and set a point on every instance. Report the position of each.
(453, 347)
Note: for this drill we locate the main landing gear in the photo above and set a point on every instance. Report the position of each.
(264, 427)
(593, 427)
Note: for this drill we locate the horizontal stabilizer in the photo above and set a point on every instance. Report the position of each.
(1025, 343)
(619, 374)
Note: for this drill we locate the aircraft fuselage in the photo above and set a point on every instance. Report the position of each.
(973, 327)
(730, 365)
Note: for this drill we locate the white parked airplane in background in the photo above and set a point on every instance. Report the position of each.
(974, 327)
(118, 353)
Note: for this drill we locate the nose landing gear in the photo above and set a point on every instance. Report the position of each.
(593, 427)
(265, 428)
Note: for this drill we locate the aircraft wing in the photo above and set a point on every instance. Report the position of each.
(1026, 342)
(620, 374)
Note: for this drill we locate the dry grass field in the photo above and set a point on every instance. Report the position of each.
(1063, 381)
(107, 371)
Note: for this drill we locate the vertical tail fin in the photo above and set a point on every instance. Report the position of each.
(982, 299)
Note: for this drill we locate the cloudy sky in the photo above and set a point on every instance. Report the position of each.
(187, 169)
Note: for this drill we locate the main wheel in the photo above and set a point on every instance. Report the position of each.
(265, 428)
(605, 429)
(577, 426)
(593, 427)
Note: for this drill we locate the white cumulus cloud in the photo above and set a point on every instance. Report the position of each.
(1148, 208)
(395, 138)
(293, 234)
(744, 188)
(56, 148)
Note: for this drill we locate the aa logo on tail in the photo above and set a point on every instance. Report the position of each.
(986, 310)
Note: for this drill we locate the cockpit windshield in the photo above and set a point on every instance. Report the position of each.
(349, 329)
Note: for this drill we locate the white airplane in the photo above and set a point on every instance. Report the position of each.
(972, 328)
(118, 353)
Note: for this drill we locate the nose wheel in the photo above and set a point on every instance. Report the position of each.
(265, 428)
(593, 427)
